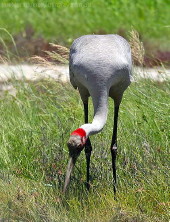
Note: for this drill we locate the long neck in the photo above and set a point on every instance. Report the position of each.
(100, 102)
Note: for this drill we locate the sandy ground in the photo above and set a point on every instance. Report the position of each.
(61, 73)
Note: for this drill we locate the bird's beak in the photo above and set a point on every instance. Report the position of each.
(70, 167)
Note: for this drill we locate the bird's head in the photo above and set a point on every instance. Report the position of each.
(75, 145)
(76, 142)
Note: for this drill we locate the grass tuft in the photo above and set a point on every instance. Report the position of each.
(40, 61)
(137, 47)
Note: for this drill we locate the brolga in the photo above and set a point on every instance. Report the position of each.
(99, 66)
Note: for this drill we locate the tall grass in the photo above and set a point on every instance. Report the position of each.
(63, 21)
(35, 125)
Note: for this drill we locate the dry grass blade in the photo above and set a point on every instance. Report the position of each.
(61, 50)
(3, 60)
(137, 47)
(40, 60)
(60, 54)
(56, 57)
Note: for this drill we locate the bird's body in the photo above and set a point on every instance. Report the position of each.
(100, 66)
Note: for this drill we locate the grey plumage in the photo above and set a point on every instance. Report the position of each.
(99, 62)
(100, 66)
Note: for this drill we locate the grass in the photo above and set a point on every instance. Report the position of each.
(35, 126)
(63, 21)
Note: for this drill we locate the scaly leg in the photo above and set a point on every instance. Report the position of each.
(88, 148)
(114, 146)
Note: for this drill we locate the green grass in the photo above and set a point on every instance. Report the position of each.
(35, 126)
(62, 21)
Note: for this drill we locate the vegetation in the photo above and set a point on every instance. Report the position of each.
(35, 125)
(62, 21)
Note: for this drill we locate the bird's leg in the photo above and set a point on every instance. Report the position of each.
(114, 146)
(88, 148)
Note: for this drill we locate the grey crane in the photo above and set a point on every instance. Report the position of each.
(99, 66)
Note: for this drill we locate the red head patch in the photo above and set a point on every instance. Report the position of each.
(80, 132)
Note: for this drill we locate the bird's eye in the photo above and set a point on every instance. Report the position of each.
(83, 140)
